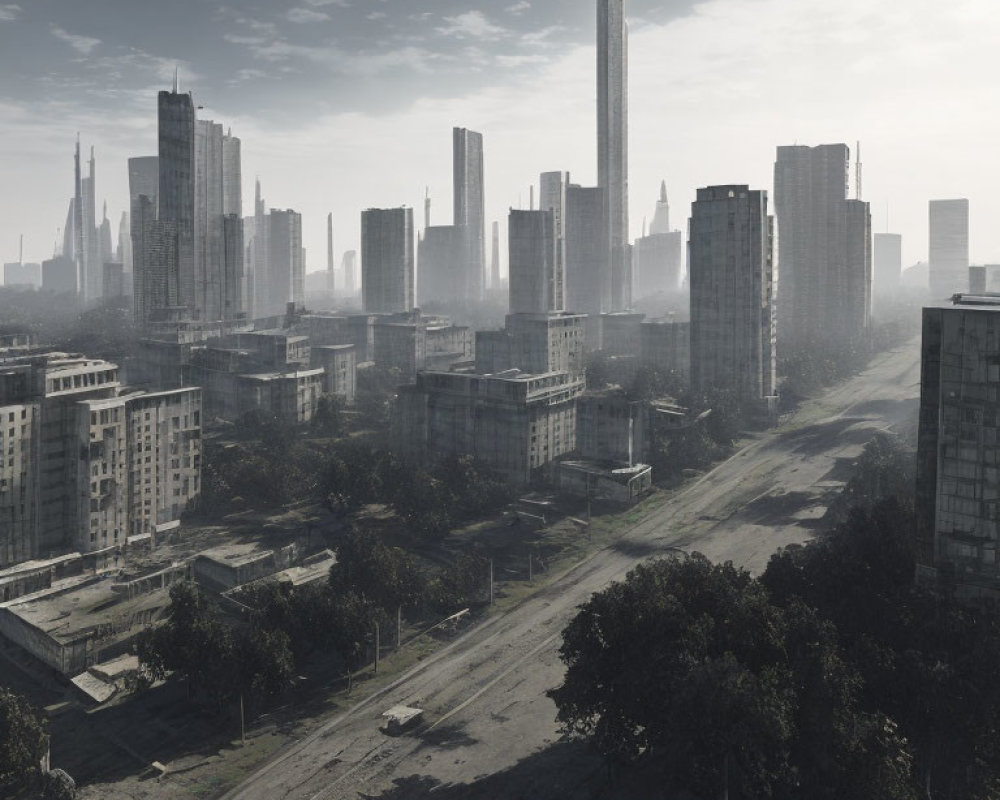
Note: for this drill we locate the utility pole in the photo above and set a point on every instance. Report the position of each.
(491, 581)
(399, 626)
(243, 729)
(376, 647)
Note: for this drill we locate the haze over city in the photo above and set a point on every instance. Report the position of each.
(425, 399)
(342, 106)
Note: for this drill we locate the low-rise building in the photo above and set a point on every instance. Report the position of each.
(533, 343)
(514, 422)
(340, 370)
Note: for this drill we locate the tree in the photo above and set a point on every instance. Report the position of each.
(383, 575)
(327, 419)
(23, 741)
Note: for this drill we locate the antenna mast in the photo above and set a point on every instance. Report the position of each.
(857, 182)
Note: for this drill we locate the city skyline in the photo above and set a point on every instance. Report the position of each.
(677, 96)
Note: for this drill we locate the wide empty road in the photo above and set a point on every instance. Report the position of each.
(490, 730)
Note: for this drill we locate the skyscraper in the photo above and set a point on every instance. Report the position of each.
(387, 260)
(470, 209)
(552, 193)
(824, 249)
(441, 265)
(495, 259)
(588, 281)
(949, 247)
(329, 255)
(612, 142)
(732, 295)
(218, 263)
(176, 189)
(535, 284)
(661, 219)
(350, 267)
(284, 280)
(887, 262)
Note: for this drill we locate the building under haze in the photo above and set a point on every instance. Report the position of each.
(282, 279)
(535, 271)
(588, 281)
(387, 260)
(470, 208)
(887, 265)
(732, 335)
(176, 193)
(441, 266)
(824, 249)
(657, 262)
(552, 197)
(612, 143)
(958, 454)
(949, 247)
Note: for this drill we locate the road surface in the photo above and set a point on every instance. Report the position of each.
(490, 730)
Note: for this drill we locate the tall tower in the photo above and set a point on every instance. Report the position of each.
(535, 287)
(93, 267)
(495, 260)
(732, 293)
(661, 219)
(387, 260)
(612, 142)
(329, 254)
(949, 247)
(470, 209)
(552, 191)
(177, 190)
(79, 256)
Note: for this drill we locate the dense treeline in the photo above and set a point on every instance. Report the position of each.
(268, 631)
(832, 675)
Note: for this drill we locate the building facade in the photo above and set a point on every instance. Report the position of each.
(732, 294)
(949, 247)
(387, 282)
(535, 282)
(470, 208)
(887, 265)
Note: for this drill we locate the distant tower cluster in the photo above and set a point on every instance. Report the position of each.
(387, 260)
(470, 209)
(188, 247)
(657, 256)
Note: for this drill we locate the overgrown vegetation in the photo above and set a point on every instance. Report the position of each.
(832, 675)
(23, 744)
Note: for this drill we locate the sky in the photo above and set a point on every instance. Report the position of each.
(343, 105)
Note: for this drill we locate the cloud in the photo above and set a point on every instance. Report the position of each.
(323, 3)
(303, 16)
(377, 15)
(518, 8)
(471, 25)
(82, 44)
(9, 12)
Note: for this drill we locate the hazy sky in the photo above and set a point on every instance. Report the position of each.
(346, 104)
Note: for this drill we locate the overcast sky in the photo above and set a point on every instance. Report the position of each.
(348, 104)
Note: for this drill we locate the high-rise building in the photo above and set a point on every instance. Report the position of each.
(123, 253)
(824, 248)
(958, 451)
(588, 281)
(495, 258)
(441, 265)
(536, 285)
(143, 179)
(387, 260)
(470, 208)
(661, 218)
(284, 279)
(350, 267)
(176, 191)
(552, 193)
(949, 247)
(887, 260)
(612, 142)
(330, 283)
(92, 274)
(732, 295)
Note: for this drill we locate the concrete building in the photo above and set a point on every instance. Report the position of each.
(536, 285)
(387, 260)
(113, 283)
(21, 274)
(887, 263)
(413, 342)
(949, 247)
(612, 144)
(349, 265)
(330, 329)
(552, 188)
(175, 207)
(533, 343)
(470, 209)
(824, 243)
(665, 345)
(958, 455)
(281, 278)
(290, 397)
(59, 275)
(513, 422)
(732, 295)
(495, 258)
(588, 279)
(442, 266)
(72, 458)
(339, 363)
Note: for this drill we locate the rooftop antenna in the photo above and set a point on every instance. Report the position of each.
(857, 182)
(176, 84)
(531, 206)
(427, 207)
